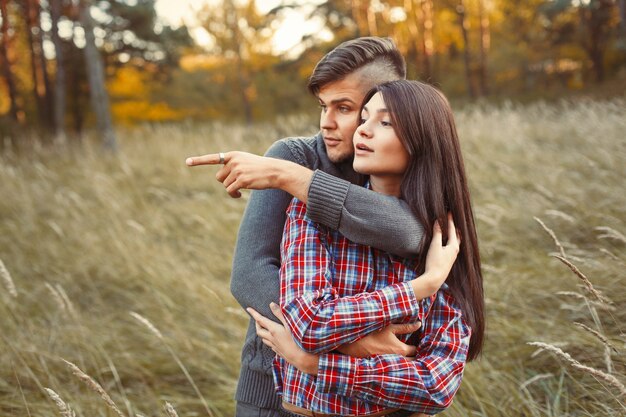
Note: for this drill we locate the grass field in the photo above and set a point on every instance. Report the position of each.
(120, 265)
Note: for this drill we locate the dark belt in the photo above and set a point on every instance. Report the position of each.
(391, 412)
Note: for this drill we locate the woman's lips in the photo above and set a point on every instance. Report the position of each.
(362, 147)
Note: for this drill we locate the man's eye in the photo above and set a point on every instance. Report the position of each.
(344, 109)
(323, 107)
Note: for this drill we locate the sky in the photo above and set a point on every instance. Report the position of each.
(289, 32)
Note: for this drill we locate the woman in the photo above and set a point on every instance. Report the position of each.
(334, 292)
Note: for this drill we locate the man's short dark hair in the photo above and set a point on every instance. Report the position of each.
(355, 54)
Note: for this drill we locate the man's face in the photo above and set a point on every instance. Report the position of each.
(340, 102)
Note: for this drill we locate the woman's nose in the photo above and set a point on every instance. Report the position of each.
(363, 130)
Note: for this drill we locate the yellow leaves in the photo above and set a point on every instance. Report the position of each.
(128, 82)
(200, 62)
(135, 111)
(130, 93)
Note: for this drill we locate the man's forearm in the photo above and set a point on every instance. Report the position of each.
(256, 262)
(364, 216)
(293, 179)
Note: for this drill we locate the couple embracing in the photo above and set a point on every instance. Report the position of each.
(357, 256)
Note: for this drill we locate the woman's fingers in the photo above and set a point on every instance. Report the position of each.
(261, 320)
(454, 235)
(278, 313)
(437, 237)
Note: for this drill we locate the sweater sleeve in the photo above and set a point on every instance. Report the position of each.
(255, 277)
(364, 216)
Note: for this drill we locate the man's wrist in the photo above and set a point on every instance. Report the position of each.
(283, 171)
(293, 179)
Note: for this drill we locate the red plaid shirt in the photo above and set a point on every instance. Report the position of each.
(333, 292)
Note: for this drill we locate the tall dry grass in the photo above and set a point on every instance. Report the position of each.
(120, 266)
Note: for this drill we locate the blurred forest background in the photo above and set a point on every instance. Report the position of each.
(119, 262)
(140, 68)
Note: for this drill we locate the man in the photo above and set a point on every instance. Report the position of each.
(318, 171)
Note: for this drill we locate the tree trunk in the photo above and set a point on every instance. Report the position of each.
(59, 87)
(485, 40)
(38, 87)
(371, 21)
(596, 54)
(466, 52)
(359, 15)
(622, 19)
(16, 113)
(237, 44)
(244, 85)
(412, 22)
(592, 19)
(427, 38)
(95, 74)
(39, 71)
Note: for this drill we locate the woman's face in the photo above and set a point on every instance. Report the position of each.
(377, 149)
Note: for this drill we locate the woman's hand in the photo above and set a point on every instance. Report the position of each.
(279, 339)
(439, 260)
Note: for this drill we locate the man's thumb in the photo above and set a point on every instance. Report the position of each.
(405, 328)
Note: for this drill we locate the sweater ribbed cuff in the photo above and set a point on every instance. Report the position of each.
(326, 197)
(257, 388)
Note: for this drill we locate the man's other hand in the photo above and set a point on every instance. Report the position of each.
(383, 342)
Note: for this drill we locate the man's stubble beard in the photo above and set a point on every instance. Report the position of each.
(339, 158)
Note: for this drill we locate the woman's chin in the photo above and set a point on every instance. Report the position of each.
(360, 169)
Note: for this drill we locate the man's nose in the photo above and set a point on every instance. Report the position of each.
(327, 120)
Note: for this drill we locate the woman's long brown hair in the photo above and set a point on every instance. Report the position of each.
(435, 184)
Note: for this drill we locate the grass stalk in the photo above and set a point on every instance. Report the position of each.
(148, 324)
(8, 281)
(93, 385)
(588, 285)
(65, 409)
(607, 378)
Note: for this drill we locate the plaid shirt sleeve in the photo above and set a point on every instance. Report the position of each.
(423, 384)
(319, 319)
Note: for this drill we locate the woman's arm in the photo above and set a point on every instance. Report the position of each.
(319, 318)
(425, 383)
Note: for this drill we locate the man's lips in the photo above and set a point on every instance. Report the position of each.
(331, 141)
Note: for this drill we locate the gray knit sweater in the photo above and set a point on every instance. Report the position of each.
(336, 199)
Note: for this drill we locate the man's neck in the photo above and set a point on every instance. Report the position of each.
(348, 173)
